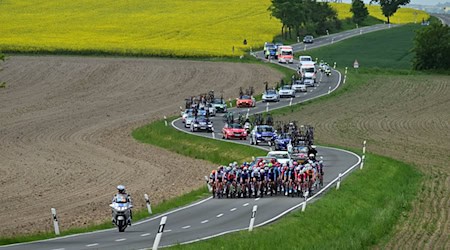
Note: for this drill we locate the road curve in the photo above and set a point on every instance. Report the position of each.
(212, 217)
(444, 18)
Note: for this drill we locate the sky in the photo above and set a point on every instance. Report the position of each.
(422, 2)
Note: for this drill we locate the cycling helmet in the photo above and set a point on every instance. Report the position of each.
(297, 168)
(234, 163)
(234, 168)
(295, 163)
(311, 155)
(121, 189)
(266, 168)
(245, 168)
(262, 171)
(228, 168)
(270, 165)
(213, 172)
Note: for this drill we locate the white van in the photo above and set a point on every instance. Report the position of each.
(304, 60)
(308, 71)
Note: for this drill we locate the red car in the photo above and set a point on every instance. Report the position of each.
(234, 130)
(246, 101)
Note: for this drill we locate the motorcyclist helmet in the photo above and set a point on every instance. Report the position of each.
(121, 189)
(311, 156)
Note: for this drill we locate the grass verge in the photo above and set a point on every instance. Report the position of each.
(360, 214)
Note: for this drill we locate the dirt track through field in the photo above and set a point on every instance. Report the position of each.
(406, 118)
(65, 125)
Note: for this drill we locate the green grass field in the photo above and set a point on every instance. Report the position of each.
(388, 49)
(203, 28)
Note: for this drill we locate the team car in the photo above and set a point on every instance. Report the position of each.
(220, 105)
(282, 157)
(262, 133)
(282, 141)
(202, 123)
(299, 86)
(188, 120)
(286, 91)
(299, 154)
(270, 95)
(211, 109)
(246, 101)
(186, 113)
(308, 39)
(234, 130)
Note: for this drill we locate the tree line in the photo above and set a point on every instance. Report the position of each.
(302, 17)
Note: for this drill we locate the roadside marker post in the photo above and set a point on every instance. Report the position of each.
(328, 33)
(252, 219)
(363, 158)
(339, 181)
(345, 78)
(329, 89)
(334, 65)
(346, 69)
(304, 48)
(360, 31)
(290, 103)
(364, 147)
(55, 221)
(213, 135)
(147, 201)
(165, 120)
(332, 40)
(267, 107)
(162, 224)
(248, 113)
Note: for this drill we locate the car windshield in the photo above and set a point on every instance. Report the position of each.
(286, 52)
(271, 92)
(245, 97)
(265, 129)
(279, 155)
(308, 37)
(218, 101)
(235, 125)
(286, 87)
(298, 82)
(309, 70)
(201, 119)
(285, 136)
(301, 149)
(305, 59)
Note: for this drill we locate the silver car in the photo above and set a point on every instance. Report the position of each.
(286, 91)
(188, 120)
(270, 95)
(299, 86)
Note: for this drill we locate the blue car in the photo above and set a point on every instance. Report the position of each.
(282, 142)
(262, 134)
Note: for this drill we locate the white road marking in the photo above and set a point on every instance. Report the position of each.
(219, 215)
(168, 230)
(246, 204)
(205, 221)
(186, 227)
(147, 234)
(121, 239)
(91, 245)
(233, 209)
(59, 249)
(257, 199)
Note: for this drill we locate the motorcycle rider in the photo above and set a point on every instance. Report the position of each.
(122, 192)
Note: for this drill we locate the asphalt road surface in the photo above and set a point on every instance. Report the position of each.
(445, 18)
(212, 217)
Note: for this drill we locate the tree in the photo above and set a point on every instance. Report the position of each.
(359, 11)
(432, 47)
(389, 7)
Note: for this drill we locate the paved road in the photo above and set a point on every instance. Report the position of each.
(213, 217)
(333, 38)
(445, 18)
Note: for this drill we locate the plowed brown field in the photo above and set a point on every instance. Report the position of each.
(406, 118)
(65, 125)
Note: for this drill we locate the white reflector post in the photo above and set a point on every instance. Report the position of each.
(55, 221)
(162, 224)
(252, 219)
(147, 201)
(339, 181)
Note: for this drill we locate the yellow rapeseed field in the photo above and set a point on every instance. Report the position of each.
(159, 28)
(403, 15)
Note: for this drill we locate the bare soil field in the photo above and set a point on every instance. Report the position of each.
(65, 125)
(406, 118)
